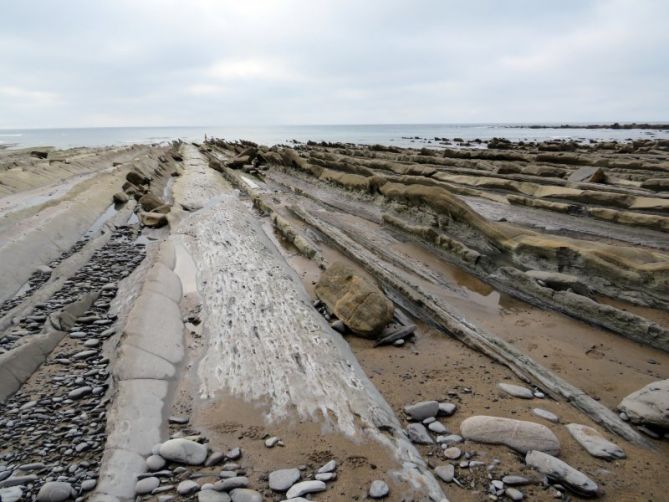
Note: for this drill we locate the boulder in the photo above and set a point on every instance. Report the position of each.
(359, 303)
(153, 203)
(183, 451)
(137, 178)
(594, 443)
(519, 435)
(120, 198)
(154, 220)
(561, 472)
(588, 174)
(649, 405)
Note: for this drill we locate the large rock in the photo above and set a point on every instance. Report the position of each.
(183, 451)
(519, 435)
(359, 303)
(561, 472)
(595, 444)
(649, 405)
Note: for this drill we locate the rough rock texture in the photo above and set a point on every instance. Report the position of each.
(355, 300)
(649, 405)
(517, 434)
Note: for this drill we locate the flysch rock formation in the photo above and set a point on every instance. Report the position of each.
(231, 322)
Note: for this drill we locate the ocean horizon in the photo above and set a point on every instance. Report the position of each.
(401, 135)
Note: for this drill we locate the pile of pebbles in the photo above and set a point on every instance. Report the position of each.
(38, 278)
(52, 431)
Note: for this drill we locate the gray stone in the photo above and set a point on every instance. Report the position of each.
(245, 495)
(447, 409)
(212, 496)
(80, 392)
(546, 415)
(516, 390)
(329, 467)
(146, 485)
(88, 484)
(561, 472)
(11, 494)
(450, 439)
(421, 411)
(326, 476)
(512, 480)
(214, 458)
(378, 489)
(234, 453)
(184, 451)
(187, 487)
(445, 472)
(272, 442)
(55, 491)
(283, 479)
(514, 494)
(305, 487)
(418, 434)
(231, 483)
(155, 462)
(519, 435)
(594, 443)
(649, 405)
(437, 428)
(452, 453)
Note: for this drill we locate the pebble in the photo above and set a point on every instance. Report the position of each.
(545, 414)
(594, 443)
(272, 442)
(184, 451)
(214, 458)
(88, 484)
(234, 453)
(80, 392)
(283, 479)
(447, 409)
(445, 472)
(227, 474)
(212, 496)
(515, 390)
(450, 439)
(146, 485)
(515, 480)
(245, 495)
(326, 476)
(231, 483)
(55, 491)
(305, 487)
(437, 428)
(178, 420)
(418, 434)
(452, 453)
(421, 411)
(378, 489)
(514, 494)
(187, 487)
(155, 462)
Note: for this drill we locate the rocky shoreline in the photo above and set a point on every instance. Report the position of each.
(225, 321)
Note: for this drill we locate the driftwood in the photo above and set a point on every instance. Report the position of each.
(413, 298)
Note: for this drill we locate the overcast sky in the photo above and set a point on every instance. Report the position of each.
(76, 63)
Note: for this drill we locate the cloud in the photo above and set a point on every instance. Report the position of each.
(208, 62)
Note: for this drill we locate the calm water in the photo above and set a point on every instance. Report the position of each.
(269, 135)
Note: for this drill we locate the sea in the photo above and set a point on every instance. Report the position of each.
(402, 135)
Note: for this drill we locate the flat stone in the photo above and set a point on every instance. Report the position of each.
(146, 485)
(245, 495)
(215, 458)
(326, 476)
(512, 480)
(519, 435)
(445, 472)
(418, 434)
(452, 453)
(561, 472)
(546, 415)
(437, 428)
(212, 496)
(447, 409)
(187, 487)
(421, 411)
(378, 489)
(283, 479)
(305, 487)
(329, 467)
(155, 462)
(514, 494)
(55, 491)
(516, 390)
(184, 451)
(594, 443)
(231, 483)
(450, 439)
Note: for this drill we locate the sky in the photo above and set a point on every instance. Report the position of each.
(82, 63)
